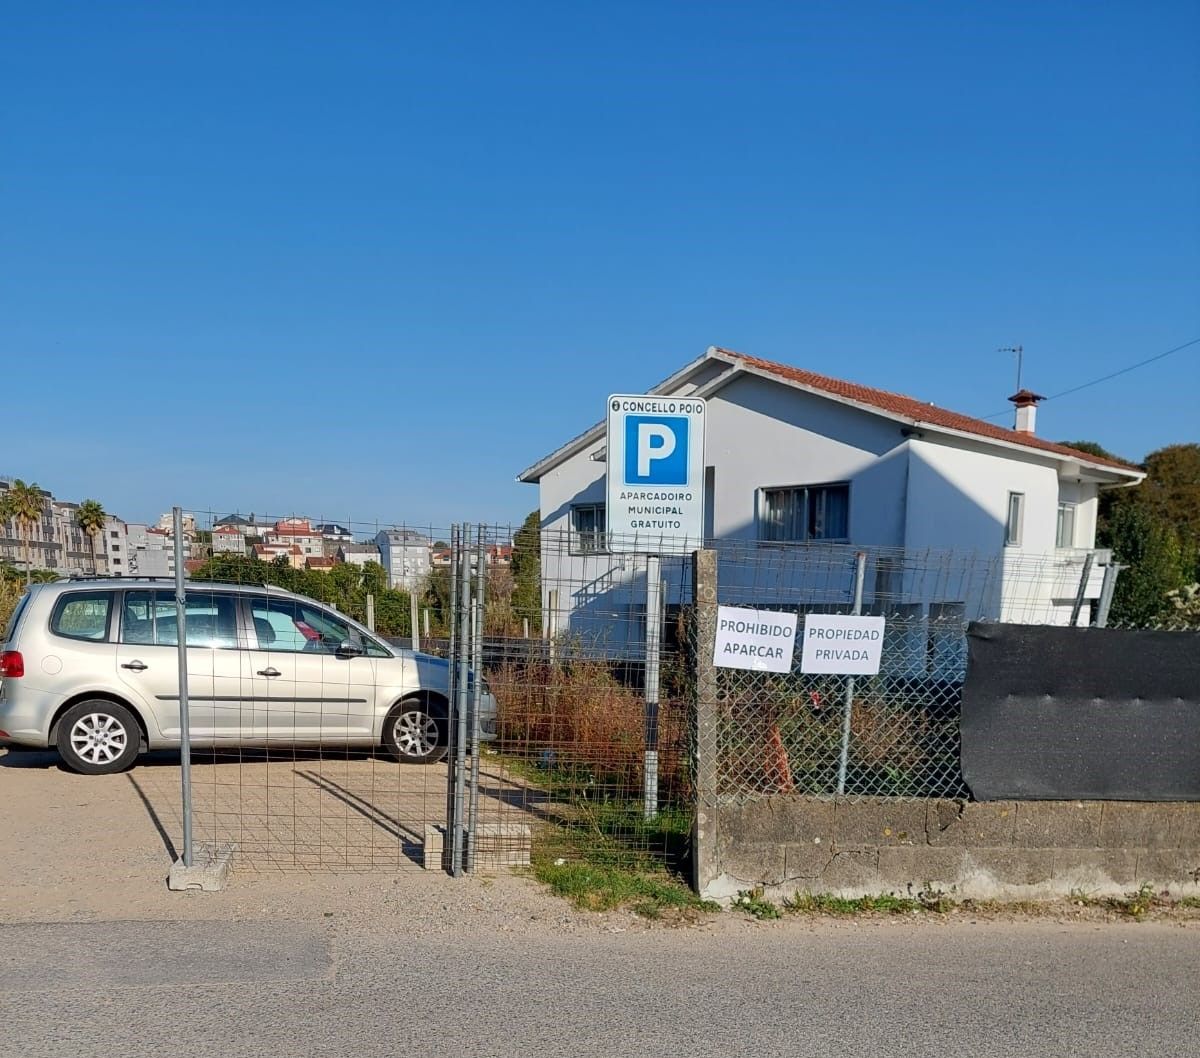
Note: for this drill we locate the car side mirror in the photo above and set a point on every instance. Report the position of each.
(346, 649)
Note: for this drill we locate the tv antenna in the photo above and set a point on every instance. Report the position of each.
(1020, 351)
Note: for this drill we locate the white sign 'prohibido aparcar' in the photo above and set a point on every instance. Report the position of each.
(655, 474)
(759, 640)
(841, 644)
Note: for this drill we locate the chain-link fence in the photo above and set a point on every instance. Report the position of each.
(894, 733)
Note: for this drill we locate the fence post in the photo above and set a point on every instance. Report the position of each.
(653, 659)
(1082, 589)
(425, 627)
(185, 729)
(412, 619)
(458, 719)
(860, 570)
(1107, 587)
(370, 612)
(704, 599)
(478, 614)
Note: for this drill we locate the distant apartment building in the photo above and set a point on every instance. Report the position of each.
(405, 554)
(54, 541)
(333, 536)
(296, 532)
(247, 527)
(134, 549)
(228, 540)
(358, 554)
(166, 522)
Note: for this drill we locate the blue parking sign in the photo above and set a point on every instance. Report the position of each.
(656, 450)
(654, 484)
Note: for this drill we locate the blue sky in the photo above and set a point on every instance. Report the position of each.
(371, 260)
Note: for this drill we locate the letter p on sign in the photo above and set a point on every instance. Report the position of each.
(656, 450)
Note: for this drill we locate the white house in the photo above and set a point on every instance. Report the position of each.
(793, 457)
(228, 540)
(296, 532)
(358, 554)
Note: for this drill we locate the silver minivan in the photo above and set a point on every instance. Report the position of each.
(92, 668)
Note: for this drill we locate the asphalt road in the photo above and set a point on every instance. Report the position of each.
(330, 988)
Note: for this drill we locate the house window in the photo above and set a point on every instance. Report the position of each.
(806, 512)
(1065, 534)
(1014, 526)
(587, 529)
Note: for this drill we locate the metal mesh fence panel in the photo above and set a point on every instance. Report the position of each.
(574, 718)
(292, 709)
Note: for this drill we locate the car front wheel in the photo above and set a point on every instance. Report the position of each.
(98, 738)
(414, 734)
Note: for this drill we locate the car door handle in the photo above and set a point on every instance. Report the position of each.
(269, 672)
(137, 666)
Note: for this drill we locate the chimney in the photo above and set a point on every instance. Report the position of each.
(1026, 401)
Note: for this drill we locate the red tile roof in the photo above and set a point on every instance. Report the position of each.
(916, 410)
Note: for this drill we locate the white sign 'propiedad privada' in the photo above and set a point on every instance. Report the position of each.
(655, 474)
(759, 640)
(842, 644)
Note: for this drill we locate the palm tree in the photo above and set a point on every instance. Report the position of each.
(91, 517)
(23, 504)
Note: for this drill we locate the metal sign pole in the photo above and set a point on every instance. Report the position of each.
(653, 659)
(860, 569)
(452, 689)
(185, 729)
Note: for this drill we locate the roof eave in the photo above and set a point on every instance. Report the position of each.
(533, 474)
(1132, 473)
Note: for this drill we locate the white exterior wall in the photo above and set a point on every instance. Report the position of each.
(958, 500)
(116, 547)
(228, 544)
(921, 494)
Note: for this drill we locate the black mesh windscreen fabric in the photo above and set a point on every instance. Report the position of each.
(1081, 713)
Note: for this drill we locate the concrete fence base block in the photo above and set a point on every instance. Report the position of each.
(435, 855)
(497, 846)
(209, 872)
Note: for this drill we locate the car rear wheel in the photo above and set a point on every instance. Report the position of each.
(414, 734)
(98, 738)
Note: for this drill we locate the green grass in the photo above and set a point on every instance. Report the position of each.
(754, 903)
(927, 899)
(601, 853)
(604, 887)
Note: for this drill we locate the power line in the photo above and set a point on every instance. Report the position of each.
(1104, 378)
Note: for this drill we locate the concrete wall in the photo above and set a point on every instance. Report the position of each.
(1010, 849)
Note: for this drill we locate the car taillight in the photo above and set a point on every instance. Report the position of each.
(12, 664)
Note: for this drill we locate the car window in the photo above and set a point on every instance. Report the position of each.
(295, 626)
(11, 630)
(82, 615)
(149, 617)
